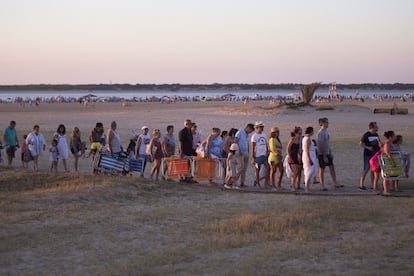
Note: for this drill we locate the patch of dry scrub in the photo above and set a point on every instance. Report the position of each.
(107, 225)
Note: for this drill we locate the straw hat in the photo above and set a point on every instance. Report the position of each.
(274, 129)
(259, 124)
(234, 146)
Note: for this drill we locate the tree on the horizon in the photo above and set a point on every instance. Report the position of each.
(308, 91)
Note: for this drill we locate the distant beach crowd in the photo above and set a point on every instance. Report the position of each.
(279, 99)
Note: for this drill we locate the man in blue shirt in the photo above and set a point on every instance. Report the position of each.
(242, 139)
(10, 141)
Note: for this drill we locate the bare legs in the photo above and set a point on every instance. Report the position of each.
(295, 175)
(266, 177)
(333, 175)
(273, 168)
(35, 163)
(156, 169)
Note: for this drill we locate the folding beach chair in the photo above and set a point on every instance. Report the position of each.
(176, 167)
(113, 164)
(136, 166)
(204, 168)
(390, 171)
(96, 161)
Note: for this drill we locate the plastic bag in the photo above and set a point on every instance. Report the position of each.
(287, 167)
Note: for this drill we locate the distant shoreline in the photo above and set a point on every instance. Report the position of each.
(198, 87)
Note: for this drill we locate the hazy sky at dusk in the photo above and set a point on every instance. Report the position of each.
(199, 41)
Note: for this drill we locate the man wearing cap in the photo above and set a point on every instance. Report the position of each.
(260, 151)
(242, 139)
(141, 147)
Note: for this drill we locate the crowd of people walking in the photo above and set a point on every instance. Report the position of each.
(307, 153)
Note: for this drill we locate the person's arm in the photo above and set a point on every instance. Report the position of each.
(165, 146)
(180, 144)
(362, 143)
(109, 137)
(253, 147)
(137, 146)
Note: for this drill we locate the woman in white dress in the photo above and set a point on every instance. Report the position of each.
(308, 158)
(60, 136)
(36, 142)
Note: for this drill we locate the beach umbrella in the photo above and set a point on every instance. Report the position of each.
(90, 95)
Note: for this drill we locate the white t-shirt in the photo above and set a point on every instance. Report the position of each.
(261, 143)
(145, 140)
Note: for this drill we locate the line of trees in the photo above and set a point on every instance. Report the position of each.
(214, 86)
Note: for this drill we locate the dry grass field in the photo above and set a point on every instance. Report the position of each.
(111, 225)
(80, 224)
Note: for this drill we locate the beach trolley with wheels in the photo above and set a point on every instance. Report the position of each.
(136, 166)
(113, 164)
(390, 171)
(175, 167)
(205, 168)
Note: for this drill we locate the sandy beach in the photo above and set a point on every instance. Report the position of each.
(348, 121)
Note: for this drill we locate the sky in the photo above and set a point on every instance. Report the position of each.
(206, 41)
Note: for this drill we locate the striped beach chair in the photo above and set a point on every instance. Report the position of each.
(136, 166)
(113, 164)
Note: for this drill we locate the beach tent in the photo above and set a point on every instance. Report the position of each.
(90, 95)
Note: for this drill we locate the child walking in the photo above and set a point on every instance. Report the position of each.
(54, 153)
(25, 152)
(235, 165)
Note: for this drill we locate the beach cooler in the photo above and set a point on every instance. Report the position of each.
(389, 171)
(176, 167)
(136, 165)
(113, 164)
(204, 168)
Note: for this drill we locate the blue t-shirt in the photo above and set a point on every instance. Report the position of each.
(243, 142)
